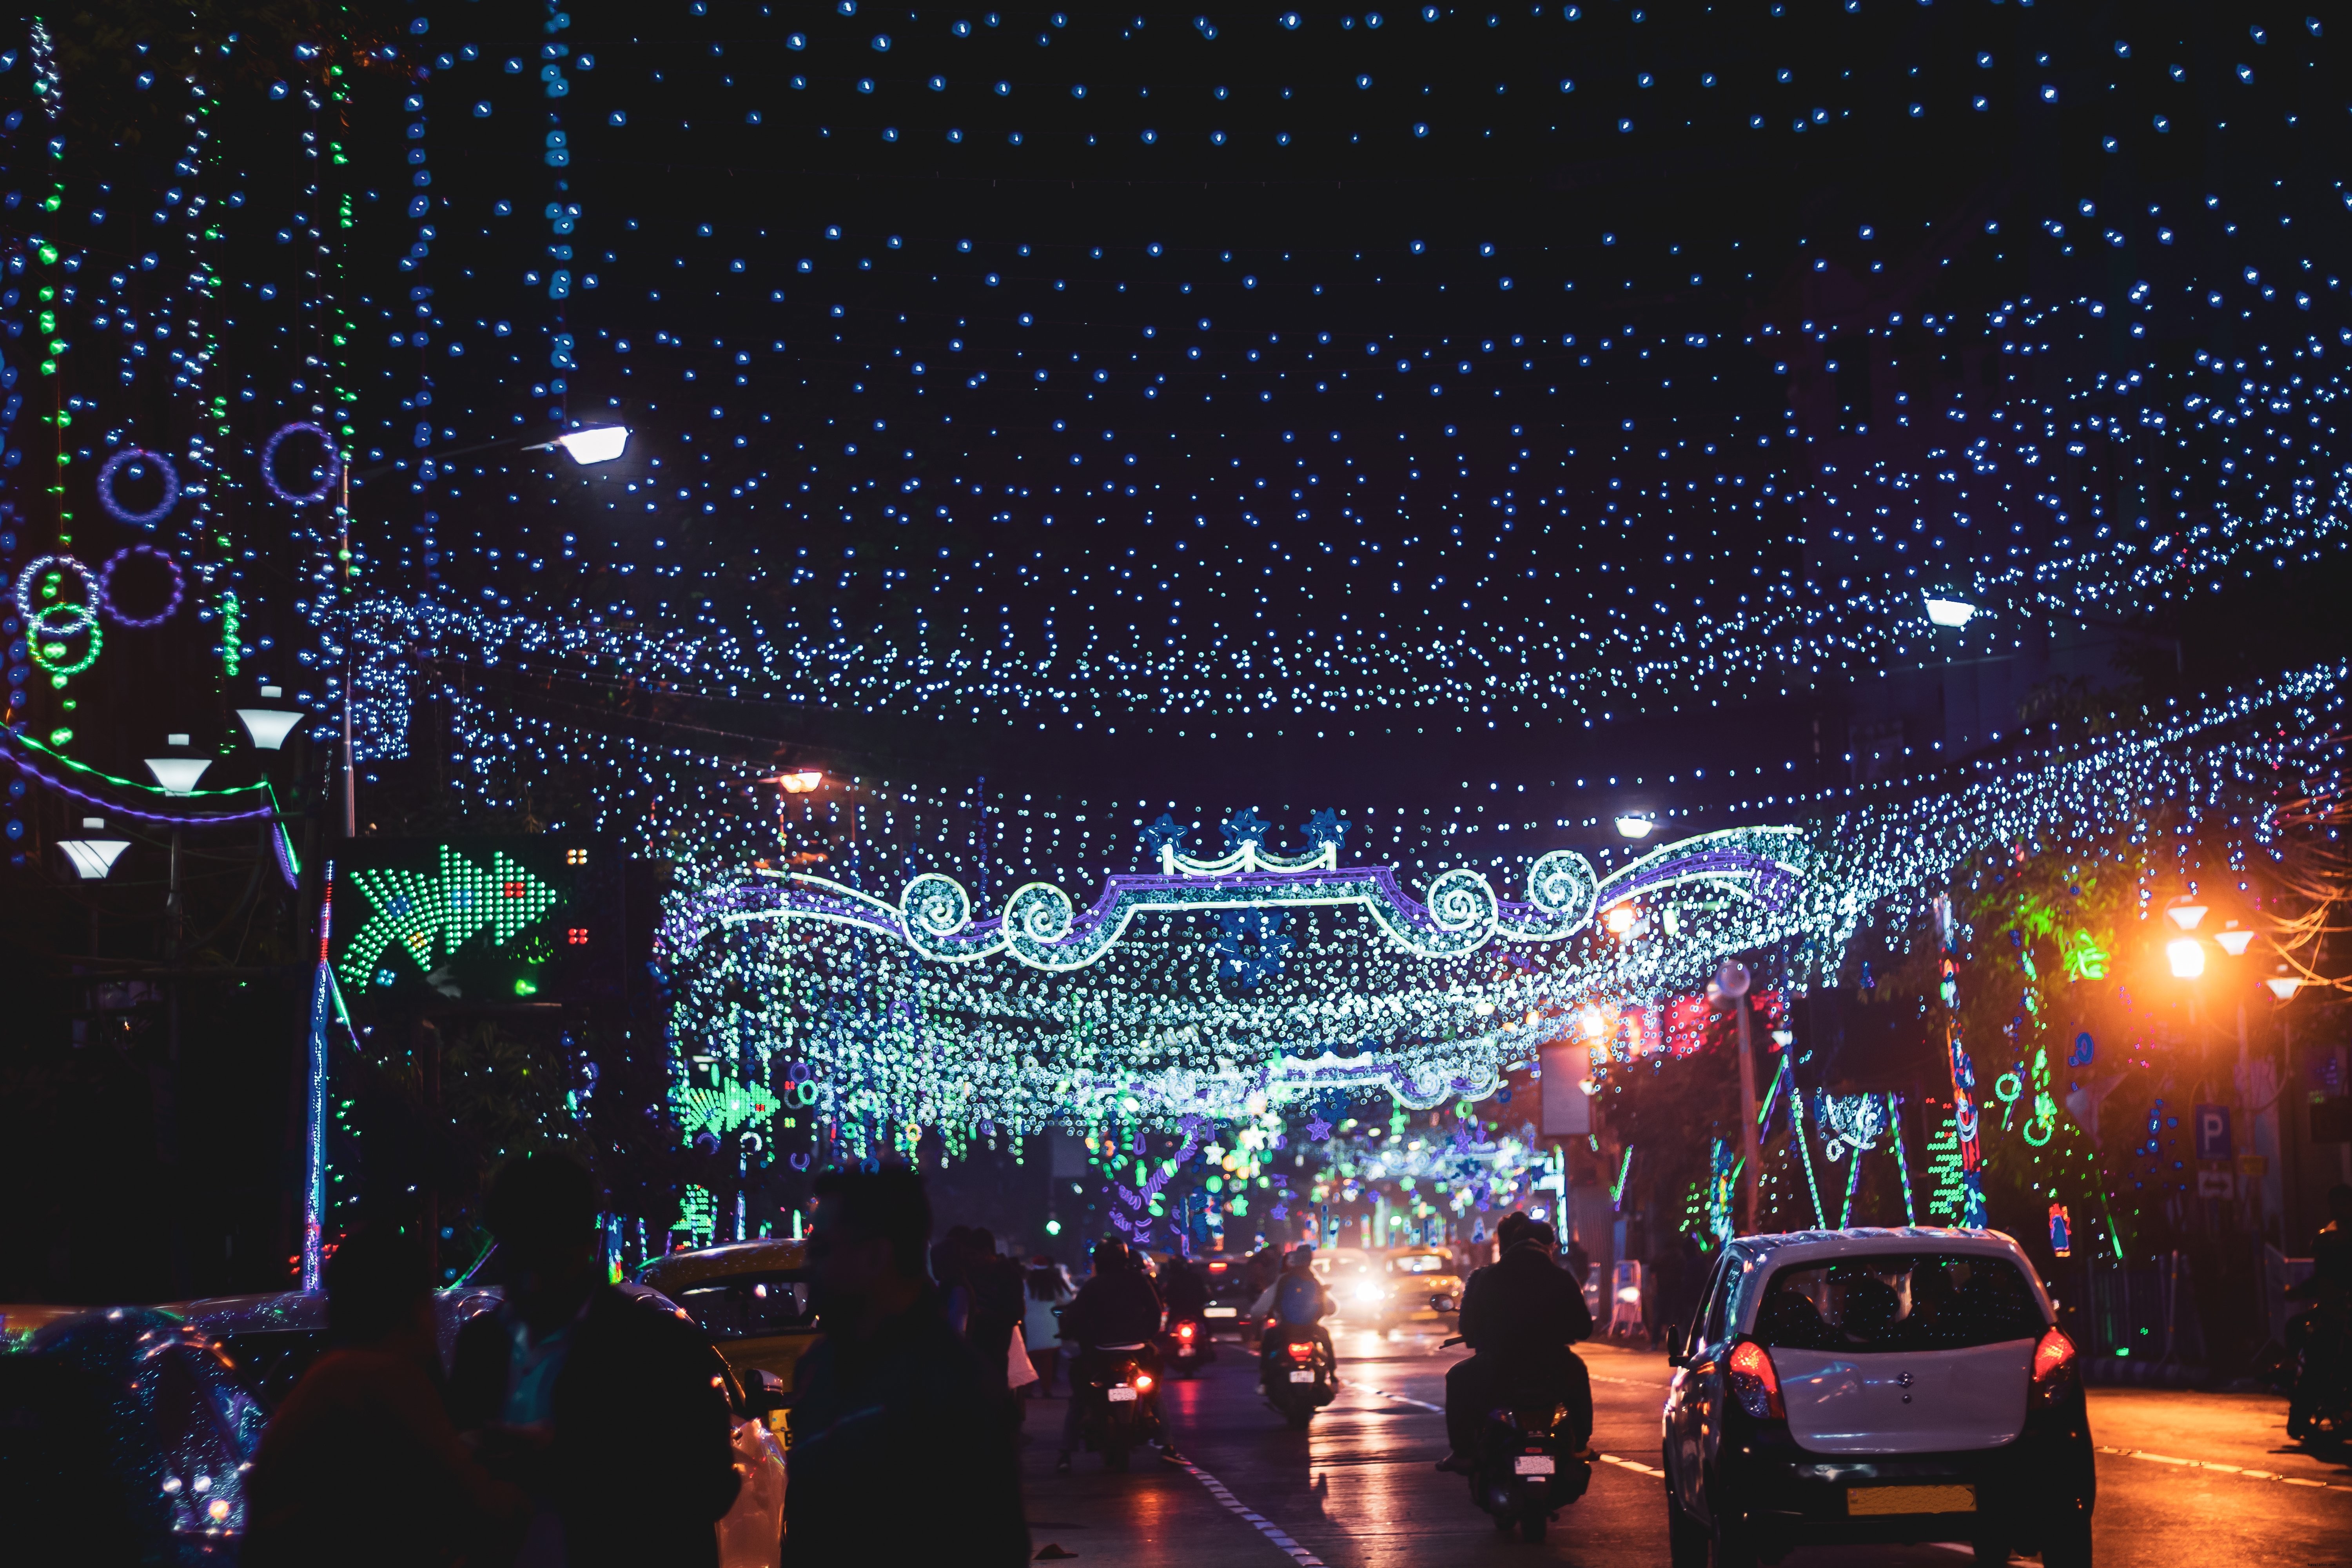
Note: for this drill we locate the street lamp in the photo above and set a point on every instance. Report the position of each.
(1635, 825)
(177, 775)
(599, 444)
(804, 782)
(2186, 954)
(2187, 915)
(92, 858)
(2233, 939)
(2285, 986)
(268, 727)
(1943, 611)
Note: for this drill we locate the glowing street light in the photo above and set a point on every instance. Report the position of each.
(177, 775)
(2186, 915)
(1952, 613)
(1619, 917)
(270, 726)
(2186, 954)
(92, 858)
(599, 445)
(2284, 987)
(1635, 825)
(2234, 940)
(801, 783)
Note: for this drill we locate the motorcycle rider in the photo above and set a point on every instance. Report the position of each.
(2324, 1333)
(1519, 1316)
(1184, 1291)
(1293, 1307)
(1116, 1306)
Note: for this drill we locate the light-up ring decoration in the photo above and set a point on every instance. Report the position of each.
(81, 617)
(121, 514)
(330, 471)
(106, 587)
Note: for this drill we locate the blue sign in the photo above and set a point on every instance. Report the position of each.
(2213, 1132)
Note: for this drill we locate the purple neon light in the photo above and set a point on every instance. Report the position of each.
(185, 820)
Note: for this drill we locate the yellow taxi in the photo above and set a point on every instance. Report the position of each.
(751, 1298)
(1414, 1284)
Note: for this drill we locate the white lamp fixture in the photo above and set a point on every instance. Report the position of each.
(1635, 825)
(2233, 940)
(270, 726)
(2186, 916)
(2284, 987)
(2186, 956)
(92, 858)
(178, 775)
(1953, 613)
(599, 445)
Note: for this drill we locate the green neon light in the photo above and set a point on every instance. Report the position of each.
(64, 761)
(424, 915)
(726, 1107)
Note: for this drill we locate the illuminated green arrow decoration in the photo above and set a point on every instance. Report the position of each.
(420, 915)
(721, 1110)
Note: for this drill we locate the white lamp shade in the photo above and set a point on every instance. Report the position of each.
(178, 775)
(2284, 987)
(1949, 612)
(2233, 941)
(269, 726)
(2186, 916)
(93, 858)
(601, 445)
(1635, 825)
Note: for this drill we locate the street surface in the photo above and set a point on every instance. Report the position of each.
(1358, 1490)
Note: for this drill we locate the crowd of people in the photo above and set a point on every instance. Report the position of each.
(576, 1429)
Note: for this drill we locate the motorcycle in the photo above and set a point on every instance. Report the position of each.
(2319, 1401)
(1525, 1468)
(1187, 1345)
(1119, 1402)
(1299, 1375)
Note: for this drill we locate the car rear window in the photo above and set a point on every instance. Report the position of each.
(1418, 1263)
(746, 1306)
(1898, 1301)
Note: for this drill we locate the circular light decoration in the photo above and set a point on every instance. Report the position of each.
(79, 618)
(330, 471)
(121, 514)
(113, 606)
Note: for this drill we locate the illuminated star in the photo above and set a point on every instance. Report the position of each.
(1325, 827)
(1244, 826)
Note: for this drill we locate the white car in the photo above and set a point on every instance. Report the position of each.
(273, 1338)
(1875, 1386)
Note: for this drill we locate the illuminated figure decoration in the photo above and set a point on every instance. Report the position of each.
(424, 915)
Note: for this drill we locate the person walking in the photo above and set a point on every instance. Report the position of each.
(610, 1412)
(889, 1393)
(366, 1423)
(1047, 1287)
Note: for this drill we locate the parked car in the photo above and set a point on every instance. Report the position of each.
(752, 1299)
(124, 1439)
(1874, 1386)
(274, 1338)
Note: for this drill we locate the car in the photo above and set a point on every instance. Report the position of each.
(1230, 1294)
(271, 1339)
(751, 1298)
(1414, 1284)
(125, 1437)
(1872, 1386)
(1352, 1276)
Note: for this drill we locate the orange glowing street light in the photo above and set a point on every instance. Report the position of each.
(801, 783)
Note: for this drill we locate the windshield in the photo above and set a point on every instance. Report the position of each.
(1419, 1263)
(1899, 1301)
(746, 1306)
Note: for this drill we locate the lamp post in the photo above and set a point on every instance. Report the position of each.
(1733, 980)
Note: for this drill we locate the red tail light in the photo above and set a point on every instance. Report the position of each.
(1755, 1383)
(1301, 1350)
(2053, 1357)
(1183, 1331)
(1143, 1382)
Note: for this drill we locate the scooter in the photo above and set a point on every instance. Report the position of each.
(1187, 1345)
(1299, 1373)
(1525, 1468)
(1119, 1402)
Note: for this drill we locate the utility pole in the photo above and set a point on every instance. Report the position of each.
(1733, 980)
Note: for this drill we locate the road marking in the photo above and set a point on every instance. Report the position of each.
(1263, 1525)
(1634, 1465)
(1408, 1399)
(2222, 1470)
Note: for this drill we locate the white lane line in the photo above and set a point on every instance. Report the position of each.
(1263, 1525)
(1634, 1465)
(2222, 1469)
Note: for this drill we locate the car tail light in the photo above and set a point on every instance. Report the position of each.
(1301, 1350)
(2053, 1360)
(1143, 1382)
(1755, 1383)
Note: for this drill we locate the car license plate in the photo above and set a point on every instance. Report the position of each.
(1224, 1311)
(1533, 1465)
(1911, 1499)
(1122, 1394)
(1302, 1377)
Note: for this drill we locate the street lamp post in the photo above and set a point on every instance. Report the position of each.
(1733, 980)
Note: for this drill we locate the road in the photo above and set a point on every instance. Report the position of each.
(1359, 1490)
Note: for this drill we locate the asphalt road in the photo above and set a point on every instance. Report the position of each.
(1358, 1490)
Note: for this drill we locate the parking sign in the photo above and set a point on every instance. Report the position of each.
(2213, 1132)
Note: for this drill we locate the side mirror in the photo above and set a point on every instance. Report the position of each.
(1675, 1356)
(764, 1392)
